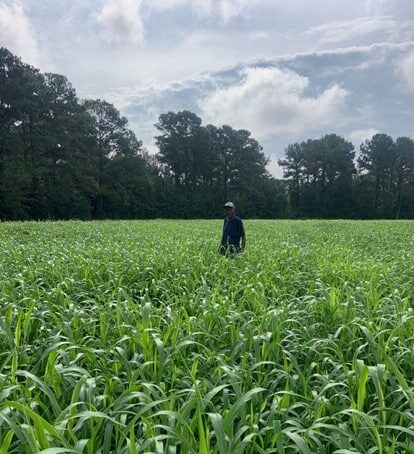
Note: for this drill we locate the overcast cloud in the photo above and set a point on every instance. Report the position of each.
(121, 21)
(341, 31)
(272, 101)
(16, 32)
(286, 71)
(406, 70)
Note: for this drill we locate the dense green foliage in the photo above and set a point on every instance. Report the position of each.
(323, 180)
(62, 158)
(136, 336)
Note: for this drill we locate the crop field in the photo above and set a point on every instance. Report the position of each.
(138, 337)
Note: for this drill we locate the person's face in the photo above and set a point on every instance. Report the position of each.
(229, 211)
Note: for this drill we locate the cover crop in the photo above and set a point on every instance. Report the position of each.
(138, 337)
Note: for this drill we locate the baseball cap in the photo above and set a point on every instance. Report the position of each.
(229, 204)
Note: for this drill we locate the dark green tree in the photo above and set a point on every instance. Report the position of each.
(404, 177)
(337, 170)
(238, 160)
(44, 141)
(319, 176)
(378, 160)
(293, 172)
(183, 148)
(116, 147)
(19, 84)
(62, 161)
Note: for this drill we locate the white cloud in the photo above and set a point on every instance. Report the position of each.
(258, 35)
(271, 101)
(360, 135)
(152, 149)
(374, 6)
(16, 33)
(274, 168)
(337, 31)
(164, 5)
(401, 8)
(405, 69)
(121, 21)
(363, 108)
(225, 10)
(404, 31)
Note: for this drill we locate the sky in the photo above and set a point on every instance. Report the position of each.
(285, 70)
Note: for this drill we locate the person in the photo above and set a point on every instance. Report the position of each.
(233, 238)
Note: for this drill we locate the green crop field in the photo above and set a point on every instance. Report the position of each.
(137, 337)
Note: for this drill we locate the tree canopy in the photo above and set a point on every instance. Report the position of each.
(64, 158)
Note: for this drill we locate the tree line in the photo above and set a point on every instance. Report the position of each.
(325, 180)
(65, 158)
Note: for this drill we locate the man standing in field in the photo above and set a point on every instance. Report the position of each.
(234, 238)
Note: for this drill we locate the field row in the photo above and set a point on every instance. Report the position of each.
(138, 337)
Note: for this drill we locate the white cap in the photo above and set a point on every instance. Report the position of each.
(230, 204)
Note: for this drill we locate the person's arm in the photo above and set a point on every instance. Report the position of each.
(243, 242)
(243, 236)
(223, 239)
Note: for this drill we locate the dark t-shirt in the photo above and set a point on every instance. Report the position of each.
(233, 231)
